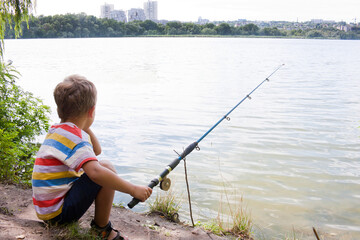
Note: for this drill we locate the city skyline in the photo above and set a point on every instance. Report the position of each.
(219, 10)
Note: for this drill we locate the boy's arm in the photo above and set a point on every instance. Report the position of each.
(94, 141)
(107, 178)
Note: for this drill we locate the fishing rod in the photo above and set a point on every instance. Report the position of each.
(162, 179)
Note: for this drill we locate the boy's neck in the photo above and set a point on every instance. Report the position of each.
(80, 122)
(83, 121)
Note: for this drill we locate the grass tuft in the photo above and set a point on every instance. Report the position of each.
(6, 211)
(239, 224)
(213, 226)
(118, 205)
(167, 204)
(72, 231)
(241, 221)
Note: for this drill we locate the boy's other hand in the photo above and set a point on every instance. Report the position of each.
(94, 141)
(141, 192)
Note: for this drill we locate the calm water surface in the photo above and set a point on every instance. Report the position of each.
(292, 152)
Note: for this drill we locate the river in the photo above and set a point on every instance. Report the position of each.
(292, 152)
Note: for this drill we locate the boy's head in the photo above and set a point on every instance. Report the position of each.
(74, 97)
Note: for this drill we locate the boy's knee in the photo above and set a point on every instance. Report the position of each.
(108, 165)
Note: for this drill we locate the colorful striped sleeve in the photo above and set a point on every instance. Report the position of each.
(82, 153)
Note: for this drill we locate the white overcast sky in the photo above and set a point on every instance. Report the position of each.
(190, 10)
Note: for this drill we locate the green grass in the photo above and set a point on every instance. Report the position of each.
(118, 205)
(6, 211)
(239, 223)
(72, 231)
(166, 204)
(213, 226)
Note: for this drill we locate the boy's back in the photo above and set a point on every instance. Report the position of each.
(58, 163)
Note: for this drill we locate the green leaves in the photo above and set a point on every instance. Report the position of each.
(13, 12)
(22, 118)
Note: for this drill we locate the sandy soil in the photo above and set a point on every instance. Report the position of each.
(18, 221)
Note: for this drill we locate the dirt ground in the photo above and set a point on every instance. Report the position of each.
(18, 221)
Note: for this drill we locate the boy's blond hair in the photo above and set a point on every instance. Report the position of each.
(74, 96)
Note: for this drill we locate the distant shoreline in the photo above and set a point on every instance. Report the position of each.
(237, 36)
(197, 36)
(83, 26)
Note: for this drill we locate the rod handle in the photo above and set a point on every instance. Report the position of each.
(135, 201)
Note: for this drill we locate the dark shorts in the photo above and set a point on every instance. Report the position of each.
(78, 200)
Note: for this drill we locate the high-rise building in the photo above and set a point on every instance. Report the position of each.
(136, 14)
(202, 21)
(118, 15)
(106, 10)
(151, 10)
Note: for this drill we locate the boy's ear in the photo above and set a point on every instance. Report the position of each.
(91, 112)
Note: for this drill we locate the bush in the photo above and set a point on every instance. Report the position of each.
(22, 118)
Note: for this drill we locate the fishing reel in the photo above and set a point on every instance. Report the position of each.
(165, 184)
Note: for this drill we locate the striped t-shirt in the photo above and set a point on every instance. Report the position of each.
(58, 164)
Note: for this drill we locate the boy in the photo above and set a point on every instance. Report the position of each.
(67, 176)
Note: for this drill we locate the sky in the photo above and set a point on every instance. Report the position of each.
(217, 10)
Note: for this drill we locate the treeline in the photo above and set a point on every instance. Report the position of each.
(84, 26)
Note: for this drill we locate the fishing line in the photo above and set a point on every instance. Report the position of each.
(162, 178)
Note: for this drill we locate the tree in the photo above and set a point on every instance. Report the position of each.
(251, 29)
(149, 25)
(134, 29)
(161, 28)
(86, 32)
(22, 116)
(208, 31)
(13, 11)
(314, 34)
(223, 29)
(271, 31)
(297, 32)
(191, 28)
(173, 28)
(209, 25)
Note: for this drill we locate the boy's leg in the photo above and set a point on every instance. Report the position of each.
(104, 201)
(103, 205)
(78, 200)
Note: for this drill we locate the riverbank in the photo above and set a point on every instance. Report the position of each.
(83, 26)
(18, 221)
(203, 36)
